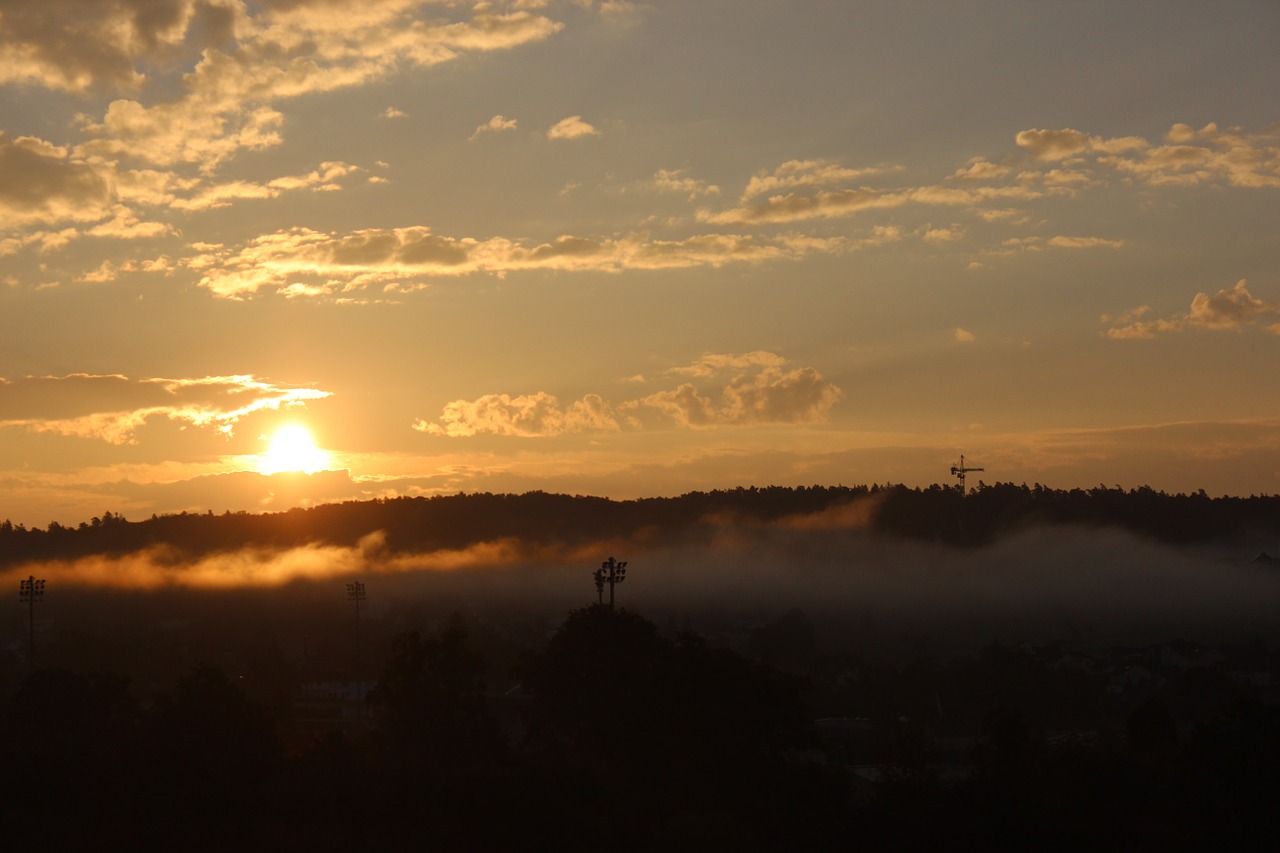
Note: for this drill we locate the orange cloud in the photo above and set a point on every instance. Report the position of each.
(317, 263)
(759, 391)
(112, 408)
(526, 416)
(572, 127)
(43, 183)
(1227, 310)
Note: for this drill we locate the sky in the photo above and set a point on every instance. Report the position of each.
(255, 255)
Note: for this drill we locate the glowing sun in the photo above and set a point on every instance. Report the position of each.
(292, 449)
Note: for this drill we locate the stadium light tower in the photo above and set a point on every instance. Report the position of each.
(355, 592)
(31, 591)
(611, 572)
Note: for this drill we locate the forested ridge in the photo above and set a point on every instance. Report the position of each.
(936, 513)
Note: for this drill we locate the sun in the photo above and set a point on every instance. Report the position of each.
(292, 449)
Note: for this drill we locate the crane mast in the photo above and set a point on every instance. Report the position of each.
(958, 471)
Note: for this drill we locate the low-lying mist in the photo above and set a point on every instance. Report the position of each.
(866, 594)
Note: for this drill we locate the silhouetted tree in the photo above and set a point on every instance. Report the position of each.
(214, 760)
(69, 748)
(678, 738)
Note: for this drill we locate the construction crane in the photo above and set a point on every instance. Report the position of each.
(960, 470)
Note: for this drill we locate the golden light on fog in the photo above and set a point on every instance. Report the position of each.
(292, 449)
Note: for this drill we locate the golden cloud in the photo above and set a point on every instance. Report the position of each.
(43, 183)
(112, 408)
(572, 127)
(322, 263)
(527, 416)
(759, 391)
(1227, 310)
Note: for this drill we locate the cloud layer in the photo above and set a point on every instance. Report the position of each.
(113, 408)
(1226, 311)
(748, 389)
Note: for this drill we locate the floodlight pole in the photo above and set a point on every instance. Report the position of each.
(611, 572)
(30, 591)
(355, 592)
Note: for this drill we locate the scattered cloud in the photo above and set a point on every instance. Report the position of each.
(759, 389)
(572, 127)
(526, 416)
(1050, 145)
(981, 169)
(75, 46)
(242, 59)
(113, 407)
(1190, 157)
(1227, 310)
(382, 256)
(831, 204)
(807, 173)
(768, 395)
(1061, 242)
(1056, 163)
(712, 364)
(946, 234)
(497, 124)
(43, 183)
(675, 180)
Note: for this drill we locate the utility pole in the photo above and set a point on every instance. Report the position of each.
(31, 591)
(611, 572)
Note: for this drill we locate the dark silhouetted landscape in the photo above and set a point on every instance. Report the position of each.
(816, 668)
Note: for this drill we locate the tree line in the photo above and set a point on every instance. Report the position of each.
(936, 513)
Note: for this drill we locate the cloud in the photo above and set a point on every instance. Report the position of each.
(526, 416)
(831, 204)
(125, 225)
(1062, 163)
(981, 169)
(76, 45)
(43, 183)
(1084, 243)
(1034, 243)
(113, 407)
(794, 207)
(108, 271)
(187, 131)
(963, 336)
(1227, 310)
(943, 235)
(770, 396)
(1066, 143)
(1190, 157)
(383, 257)
(572, 127)
(287, 50)
(712, 364)
(393, 112)
(806, 173)
(497, 124)
(209, 196)
(675, 180)
(759, 390)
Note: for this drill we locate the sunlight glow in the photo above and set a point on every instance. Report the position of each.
(292, 449)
